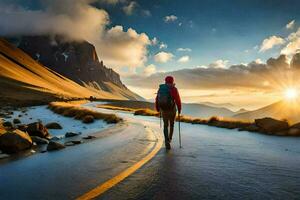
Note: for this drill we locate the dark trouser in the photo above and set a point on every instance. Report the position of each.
(168, 118)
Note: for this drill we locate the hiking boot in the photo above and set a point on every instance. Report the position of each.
(168, 146)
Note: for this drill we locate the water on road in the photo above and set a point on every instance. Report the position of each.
(217, 163)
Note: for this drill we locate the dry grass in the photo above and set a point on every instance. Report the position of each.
(213, 121)
(146, 112)
(116, 108)
(2, 128)
(79, 113)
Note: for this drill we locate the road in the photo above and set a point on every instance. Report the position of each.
(214, 163)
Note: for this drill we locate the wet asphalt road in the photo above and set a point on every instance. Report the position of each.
(214, 163)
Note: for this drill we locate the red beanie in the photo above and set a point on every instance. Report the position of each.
(169, 79)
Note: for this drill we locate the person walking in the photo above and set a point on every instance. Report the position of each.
(166, 101)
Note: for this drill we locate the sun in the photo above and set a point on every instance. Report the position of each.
(291, 93)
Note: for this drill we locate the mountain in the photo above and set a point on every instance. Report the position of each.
(76, 60)
(288, 110)
(219, 105)
(24, 81)
(205, 111)
(240, 111)
(190, 109)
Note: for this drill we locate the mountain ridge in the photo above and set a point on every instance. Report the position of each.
(281, 110)
(24, 81)
(77, 60)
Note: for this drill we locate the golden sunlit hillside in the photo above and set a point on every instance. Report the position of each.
(25, 81)
(287, 109)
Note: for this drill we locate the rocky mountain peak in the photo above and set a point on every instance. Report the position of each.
(77, 60)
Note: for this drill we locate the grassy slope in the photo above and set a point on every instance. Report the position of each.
(23, 80)
(279, 110)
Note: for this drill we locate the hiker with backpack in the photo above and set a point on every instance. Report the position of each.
(166, 101)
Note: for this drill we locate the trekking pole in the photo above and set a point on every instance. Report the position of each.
(179, 131)
(160, 119)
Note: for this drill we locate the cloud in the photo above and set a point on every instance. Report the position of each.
(219, 64)
(113, 2)
(146, 13)
(184, 59)
(295, 62)
(129, 9)
(272, 75)
(290, 25)
(170, 18)
(258, 61)
(154, 41)
(75, 19)
(124, 48)
(149, 70)
(163, 46)
(270, 42)
(163, 57)
(293, 45)
(78, 20)
(184, 49)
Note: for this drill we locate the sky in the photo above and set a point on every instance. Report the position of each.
(222, 51)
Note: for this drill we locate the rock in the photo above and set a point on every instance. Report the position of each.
(22, 127)
(88, 119)
(15, 141)
(80, 55)
(55, 138)
(69, 143)
(294, 131)
(270, 125)
(71, 134)
(89, 137)
(53, 146)
(16, 121)
(7, 124)
(39, 140)
(19, 115)
(53, 125)
(72, 143)
(4, 155)
(297, 126)
(281, 133)
(37, 129)
(250, 128)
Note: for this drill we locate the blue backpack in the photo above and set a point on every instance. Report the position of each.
(164, 99)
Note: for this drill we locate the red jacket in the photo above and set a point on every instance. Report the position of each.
(175, 95)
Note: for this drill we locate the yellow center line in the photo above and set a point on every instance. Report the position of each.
(100, 189)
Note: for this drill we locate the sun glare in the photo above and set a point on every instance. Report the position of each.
(291, 93)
